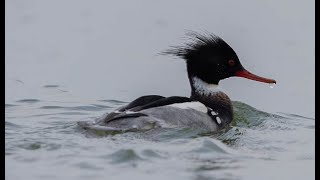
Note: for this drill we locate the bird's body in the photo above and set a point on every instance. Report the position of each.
(209, 59)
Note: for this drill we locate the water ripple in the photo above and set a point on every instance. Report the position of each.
(113, 101)
(51, 86)
(124, 155)
(10, 105)
(28, 101)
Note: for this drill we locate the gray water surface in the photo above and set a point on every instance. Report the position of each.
(43, 141)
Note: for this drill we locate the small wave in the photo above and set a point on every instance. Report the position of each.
(63, 90)
(149, 153)
(16, 80)
(39, 145)
(30, 146)
(230, 136)
(296, 116)
(89, 166)
(101, 106)
(52, 107)
(112, 101)
(311, 127)
(209, 145)
(216, 164)
(28, 101)
(10, 105)
(248, 116)
(12, 125)
(124, 156)
(51, 86)
(86, 108)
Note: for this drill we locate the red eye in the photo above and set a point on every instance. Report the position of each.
(231, 62)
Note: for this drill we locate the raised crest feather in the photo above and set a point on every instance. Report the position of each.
(198, 45)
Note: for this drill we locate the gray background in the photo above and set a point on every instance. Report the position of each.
(108, 49)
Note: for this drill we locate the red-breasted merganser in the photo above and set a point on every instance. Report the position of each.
(209, 59)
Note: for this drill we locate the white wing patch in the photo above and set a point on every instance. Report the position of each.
(125, 112)
(198, 106)
(130, 112)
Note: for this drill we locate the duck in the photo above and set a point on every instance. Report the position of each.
(209, 60)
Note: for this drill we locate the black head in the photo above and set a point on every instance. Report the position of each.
(211, 59)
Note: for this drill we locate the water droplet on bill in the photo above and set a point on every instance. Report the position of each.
(272, 85)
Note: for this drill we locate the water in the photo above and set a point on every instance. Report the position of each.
(68, 61)
(43, 141)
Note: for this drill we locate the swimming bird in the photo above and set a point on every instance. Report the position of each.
(209, 59)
